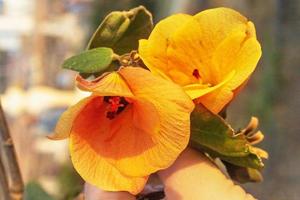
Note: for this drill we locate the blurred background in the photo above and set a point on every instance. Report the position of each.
(37, 35)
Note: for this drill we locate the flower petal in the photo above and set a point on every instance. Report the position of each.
(217, 100)
(237, 52)
(193, 44)
(109, 85)
(145, 137)
(98, 143)
(97, 171)
(245, 62)
(173, 107)
(197, 90)
(217, 23)
(65, 122)
(154, 50)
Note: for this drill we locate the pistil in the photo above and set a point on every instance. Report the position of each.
(116, 106)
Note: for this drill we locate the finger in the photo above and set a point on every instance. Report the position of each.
(93, 193)
(194, 176)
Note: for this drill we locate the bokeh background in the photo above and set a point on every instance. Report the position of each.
(37, 35)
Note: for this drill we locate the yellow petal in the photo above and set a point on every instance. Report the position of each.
(237, 52)
(197, 90)
(243, 63)
(192, 45)
(217, 23)
(154, 50)
(65, 122)
(217, 43)
(216, 100)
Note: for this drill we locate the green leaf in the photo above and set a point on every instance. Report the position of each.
(250, 160)
(122, 30)
(243, 174)
(210, 133)
(90, 61)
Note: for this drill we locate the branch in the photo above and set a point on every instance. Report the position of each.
(9, 160)
(4, 191)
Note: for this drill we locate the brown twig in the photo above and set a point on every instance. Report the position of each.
(9, 160)
(4, 191)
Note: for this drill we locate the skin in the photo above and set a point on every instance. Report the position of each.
(192, 176)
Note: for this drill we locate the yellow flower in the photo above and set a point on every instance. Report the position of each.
(211, 55)
(133, 124)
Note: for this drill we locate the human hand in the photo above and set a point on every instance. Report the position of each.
(192, 176)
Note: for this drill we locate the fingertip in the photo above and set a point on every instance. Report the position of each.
(93, 193)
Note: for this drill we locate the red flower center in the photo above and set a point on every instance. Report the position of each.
(196, 74)
(116, 106)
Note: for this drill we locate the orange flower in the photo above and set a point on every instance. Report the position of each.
(132, 125)
(210, 54)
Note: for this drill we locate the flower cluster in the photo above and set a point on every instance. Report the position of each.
(136, 121)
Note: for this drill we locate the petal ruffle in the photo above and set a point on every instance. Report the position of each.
(65, 122)
(111, 84)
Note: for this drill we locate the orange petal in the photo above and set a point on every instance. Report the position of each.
(173, 107)
(109, 85)
(95, 169)
(98, 143)
(128, 135)
(147, 135)
(65, 122)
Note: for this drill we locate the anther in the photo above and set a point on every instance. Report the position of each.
(116, 105)
(196, 74)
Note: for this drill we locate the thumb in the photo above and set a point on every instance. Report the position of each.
(194, 176)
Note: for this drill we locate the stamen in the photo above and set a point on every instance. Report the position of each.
(196, 74)
(116, 106)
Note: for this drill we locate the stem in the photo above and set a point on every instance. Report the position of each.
(9, 160)
(4, 191)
